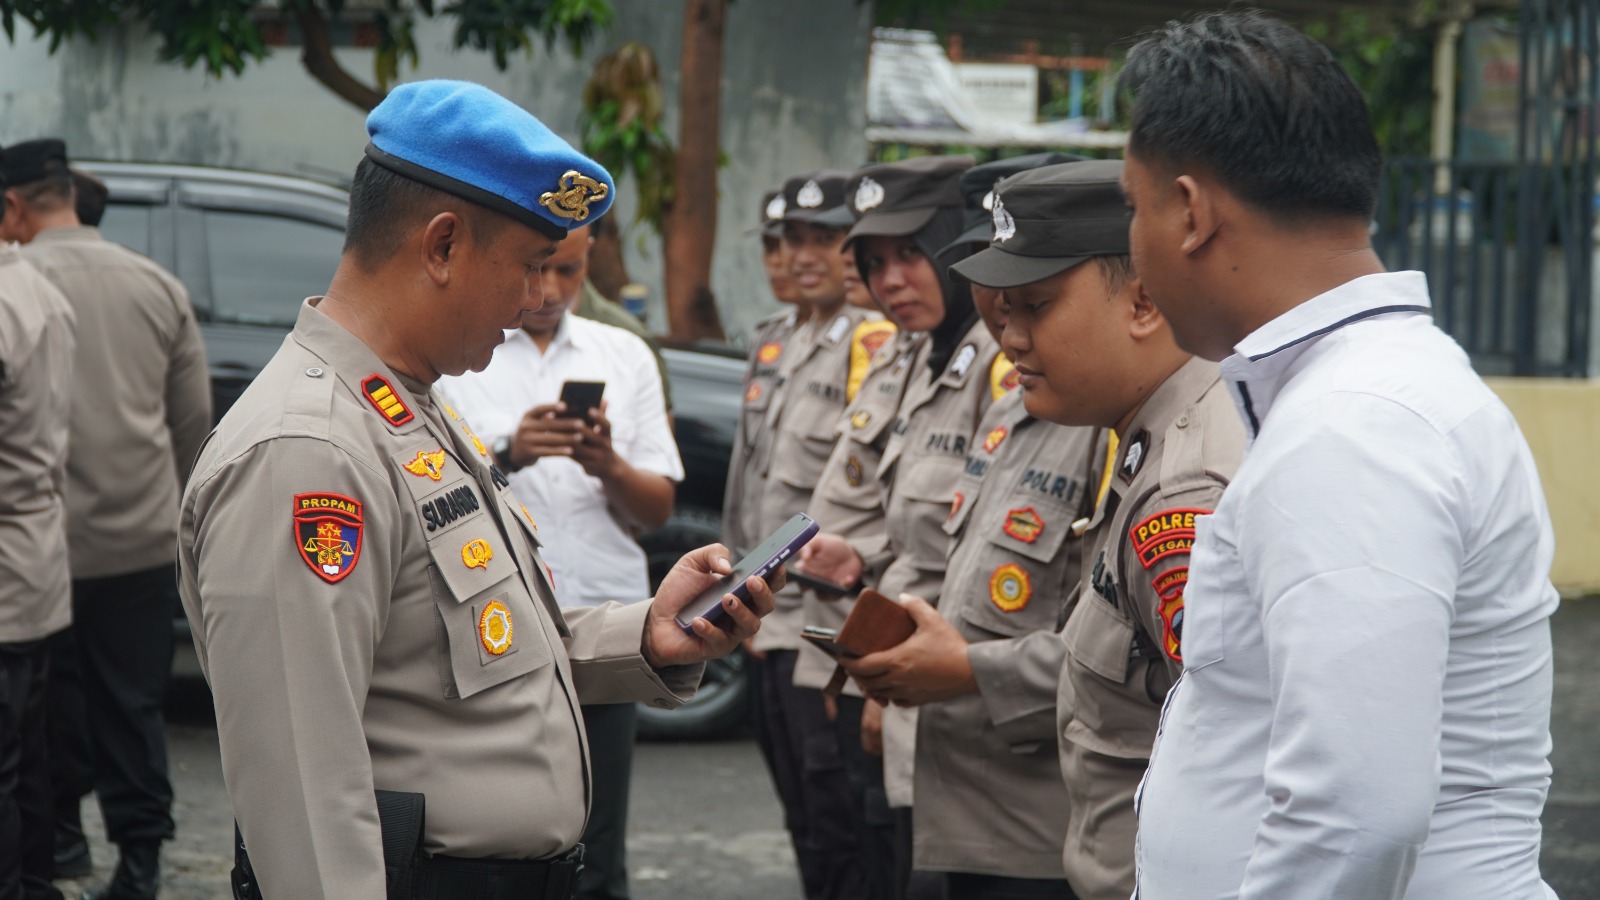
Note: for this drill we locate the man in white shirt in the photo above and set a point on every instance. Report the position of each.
(603, 481)
(1364, 706)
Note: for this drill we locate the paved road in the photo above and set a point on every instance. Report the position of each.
(706, 824)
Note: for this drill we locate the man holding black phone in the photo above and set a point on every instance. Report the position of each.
(573, 412)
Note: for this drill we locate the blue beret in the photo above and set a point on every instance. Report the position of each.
(468, 141)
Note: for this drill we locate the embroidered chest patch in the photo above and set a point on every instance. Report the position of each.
(327, 532)
(494, 628)
(1010, 588)
(1024, 524)
(427, 465)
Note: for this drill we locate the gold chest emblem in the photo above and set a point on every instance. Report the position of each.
(477, 553)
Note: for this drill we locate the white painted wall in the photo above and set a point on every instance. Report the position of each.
(793, 100)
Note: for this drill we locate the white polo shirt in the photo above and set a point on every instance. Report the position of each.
(588, 548)
(1364, 710)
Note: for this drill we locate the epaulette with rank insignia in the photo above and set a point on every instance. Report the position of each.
(383, 397)
(869, 337)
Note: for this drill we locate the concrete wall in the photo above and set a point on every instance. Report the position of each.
(1561, 419)
(794, 99)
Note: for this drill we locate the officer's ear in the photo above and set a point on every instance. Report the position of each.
(1146, 319)
(442, 239)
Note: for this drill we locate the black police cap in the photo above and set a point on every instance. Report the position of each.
(29, 161)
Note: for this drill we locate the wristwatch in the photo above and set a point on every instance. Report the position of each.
(502, 453)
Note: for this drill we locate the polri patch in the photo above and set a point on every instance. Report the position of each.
(382, 395)
(1023, 524)
(427, 465)
(1164, 534)
(1133, 457)
(1010, 588)
(494, 628)
(327, 532)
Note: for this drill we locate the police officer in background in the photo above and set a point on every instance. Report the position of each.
(397, 692)
(36, 356)
(907, 212)
(751, 443)
(141, 405)
(1091, 350)
(991, 810)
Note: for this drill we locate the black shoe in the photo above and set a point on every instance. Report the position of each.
(72, 859)
(138, 874)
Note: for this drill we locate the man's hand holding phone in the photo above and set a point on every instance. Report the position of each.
(544, 432)
(831, 558)
(593, 450)
(666, 643)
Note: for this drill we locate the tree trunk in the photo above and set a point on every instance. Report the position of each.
(607, 270)
(317, 56)
(690, 227)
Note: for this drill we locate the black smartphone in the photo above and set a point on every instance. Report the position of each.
(580, 397)
(826, 639)
(822, 586)
(760, 562)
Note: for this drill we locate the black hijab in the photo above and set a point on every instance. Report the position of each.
(959, 312)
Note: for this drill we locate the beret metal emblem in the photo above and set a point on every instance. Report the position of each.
(1005, 227)
(869, 193)
(810, 196)
(777, 207)
(577, 192)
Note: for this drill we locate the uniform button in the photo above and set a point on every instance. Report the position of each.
(1183, 422)
(314, 372)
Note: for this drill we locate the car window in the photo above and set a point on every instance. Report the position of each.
(263, 266)
(129, 225)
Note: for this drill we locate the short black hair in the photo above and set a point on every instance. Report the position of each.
(1264, 109)
(92, 197)
(1116, 272)
(385, 207)
(48, 194)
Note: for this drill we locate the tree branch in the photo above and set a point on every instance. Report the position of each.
(319, 60)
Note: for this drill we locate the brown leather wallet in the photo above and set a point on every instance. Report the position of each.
(875, 623)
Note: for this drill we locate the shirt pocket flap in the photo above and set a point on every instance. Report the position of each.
(1015, 597)
(928, 479)
(1098, 638)
(472, 558)
(1034, 531)
(491, 637)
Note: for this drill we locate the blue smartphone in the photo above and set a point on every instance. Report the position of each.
(760, 562)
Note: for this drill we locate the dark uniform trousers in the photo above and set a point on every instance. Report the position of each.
(611, 728)
(25, 835)
(118, 660)
(871, 815)
(809, 774)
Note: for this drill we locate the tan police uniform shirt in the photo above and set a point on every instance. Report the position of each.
(847, 501)
(752, 442)
(925, 456)
(988, 780)
(1124, 638)
(36, 350)
(802, 419)
(141, 400)
(371, 612)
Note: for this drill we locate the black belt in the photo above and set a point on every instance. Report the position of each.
(451, 878)
(411, 875)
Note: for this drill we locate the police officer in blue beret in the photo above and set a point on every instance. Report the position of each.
(396, 686)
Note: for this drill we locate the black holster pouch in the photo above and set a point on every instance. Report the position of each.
(401, 815)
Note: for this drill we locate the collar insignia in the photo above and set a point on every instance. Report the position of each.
(1133, 459)
(869, 194)
(427, 465)
(963, 360)
(838, 328)
(1005, 227)
(385, 400)
(576, 192)
(810, 195)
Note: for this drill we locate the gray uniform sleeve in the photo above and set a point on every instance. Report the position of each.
(607, 666)
(289, 659)
(188, 391)
(1017, 679)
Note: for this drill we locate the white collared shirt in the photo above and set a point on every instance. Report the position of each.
(589, 549)
(1365, 704)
